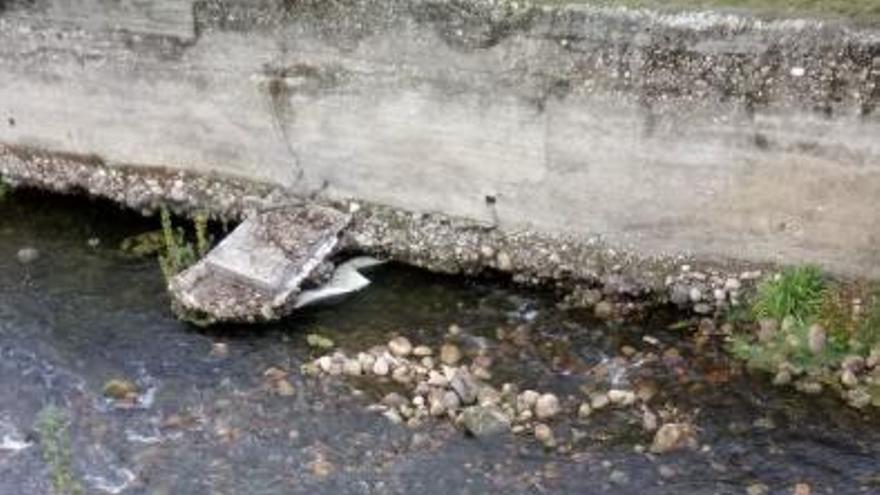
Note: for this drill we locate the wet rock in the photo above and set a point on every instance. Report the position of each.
(400, 347)
(782, 378)
(544, 435)
(451, 401)
(547, 406)
(618, 477)
(488, 396)
(603, 310)
(767, 329)
(120, 389)
(649, 420)
(809, 387)
(27, 255)
(526, 400)
(503, 262)
(450, 354)
(848, 378)
(585, 410)
(366, 360)
(599, 401)
(622, 397)
(284, 388)
(757, 489)
(465, 386)
(853, 363)
(802, 489)
(352, 367)
(394, 400)
(674, 436)
(666, 471)
(319, 341)
(219, 350)
(402, 375)
(816, 339)
(858, 398)
(482, 421)
(422, 351)
(695, 295)
(382, 366)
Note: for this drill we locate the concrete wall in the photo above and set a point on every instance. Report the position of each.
(719, 135)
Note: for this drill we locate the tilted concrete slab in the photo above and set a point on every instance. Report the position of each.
(256, 272)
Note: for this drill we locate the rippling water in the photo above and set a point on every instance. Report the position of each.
(83, 314)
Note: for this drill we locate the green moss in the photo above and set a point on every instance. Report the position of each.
(52, 426)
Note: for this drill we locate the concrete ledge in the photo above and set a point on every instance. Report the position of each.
(720, 136)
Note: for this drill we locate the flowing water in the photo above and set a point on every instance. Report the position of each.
(206, 423)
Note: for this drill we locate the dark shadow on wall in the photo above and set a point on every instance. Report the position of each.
(10, 4)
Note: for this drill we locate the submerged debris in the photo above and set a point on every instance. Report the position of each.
(256, 272)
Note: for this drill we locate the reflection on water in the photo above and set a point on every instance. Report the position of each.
(205, 422)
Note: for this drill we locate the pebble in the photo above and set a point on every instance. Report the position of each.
(402, 375)
(219, 349)
(352, 367)
(767, 329)
(120, 389)
(526, 400)
(816, 338)
(544, 435)
(547, 406)
(848, 378)
(584, 411)
(622, 397)
(367, 360)
(400, 346)
(284, 388)
(618, 477)
(674, 436)
(666, 471)
(603, 310)
(599, 401)
(450, 354)
(802, 489)
(757, 489)
(381, 367)
(696, 295)
(465, 386)
(27, 255)
(422, 351)
(482, 421)
(503, 262)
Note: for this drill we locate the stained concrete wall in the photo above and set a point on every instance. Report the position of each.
(715, 134)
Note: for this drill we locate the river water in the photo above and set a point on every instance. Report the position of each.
(206, 423)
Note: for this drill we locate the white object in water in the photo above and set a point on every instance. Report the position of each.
(345, 280)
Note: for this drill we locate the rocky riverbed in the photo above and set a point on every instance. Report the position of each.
(421, 383)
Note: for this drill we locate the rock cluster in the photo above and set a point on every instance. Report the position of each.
(444, 383)
(708, 292)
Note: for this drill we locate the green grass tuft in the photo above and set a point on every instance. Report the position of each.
(177, 253)
(797, 292)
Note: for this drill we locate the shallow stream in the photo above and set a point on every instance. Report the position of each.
(206, 422)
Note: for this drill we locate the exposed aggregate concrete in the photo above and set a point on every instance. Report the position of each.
(588, 270)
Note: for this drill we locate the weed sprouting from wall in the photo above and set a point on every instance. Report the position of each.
(177, 252)
(797, 293)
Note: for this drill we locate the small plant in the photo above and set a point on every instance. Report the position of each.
(177, 253)
(52, 426)
(867, 334)
(797, 293)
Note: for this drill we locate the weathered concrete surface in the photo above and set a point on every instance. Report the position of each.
(722, 136)
(256, 272)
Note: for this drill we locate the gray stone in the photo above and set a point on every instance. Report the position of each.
(482, 421)
(465, 386)
(816, 338)
(547, 406)
(674, 436)
(27, 255)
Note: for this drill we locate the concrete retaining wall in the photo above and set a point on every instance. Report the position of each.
(719, 135)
